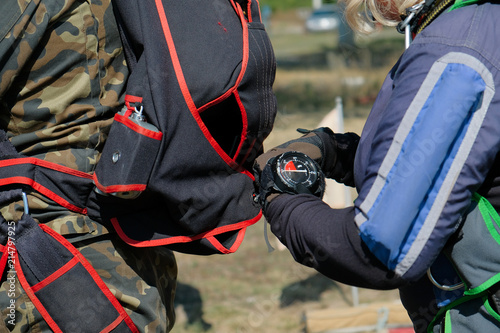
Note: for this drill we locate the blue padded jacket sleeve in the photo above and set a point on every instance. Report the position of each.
(424, 180)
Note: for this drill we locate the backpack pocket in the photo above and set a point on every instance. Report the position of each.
(129, 154)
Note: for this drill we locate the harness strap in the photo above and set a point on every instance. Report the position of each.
(68, 187)
(436, 10)
(421, 15)
(60, 282)
(472, 254)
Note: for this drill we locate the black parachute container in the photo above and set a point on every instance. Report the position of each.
(199, 104)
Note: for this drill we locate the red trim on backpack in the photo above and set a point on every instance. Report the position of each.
(234, 5)
(119, 188)
(3, 260)
(105, 290)
(43, 190)
(45, 164)
(54, 276)
(258, 7)
(187, 239)
(37, 186)
(131, 99)
(244, 121)
(185, 90)
(230, 161)
(249, 11)
(112, 326)
(39, 306)
(124, 119)
(249, 151)
(173, 54)
(239, 239)
(215, 145)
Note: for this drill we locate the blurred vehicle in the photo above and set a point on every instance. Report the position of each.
(325, 18)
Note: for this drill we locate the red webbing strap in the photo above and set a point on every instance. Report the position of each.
(123, 316)
(7, 251)
(131, 239)
(3, 259)
(68, 187)
(220, 247)
(65, 288)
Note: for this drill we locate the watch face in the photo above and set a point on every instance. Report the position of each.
(297, 170)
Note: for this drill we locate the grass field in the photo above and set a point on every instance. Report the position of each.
(253, 290)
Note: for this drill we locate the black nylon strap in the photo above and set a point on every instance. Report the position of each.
(37, 251)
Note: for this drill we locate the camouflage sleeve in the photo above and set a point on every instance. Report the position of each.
(11, 59)
(62, 77)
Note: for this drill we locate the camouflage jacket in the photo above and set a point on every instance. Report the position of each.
(62, 77)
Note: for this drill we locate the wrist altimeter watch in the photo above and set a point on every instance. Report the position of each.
(295, 173)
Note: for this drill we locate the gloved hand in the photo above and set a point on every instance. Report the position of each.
(312, 143)
(293, 173)
(332, 151)
(342, 170)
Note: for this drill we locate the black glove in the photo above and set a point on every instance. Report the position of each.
(313, 143)
(342, 170)
(333, 152)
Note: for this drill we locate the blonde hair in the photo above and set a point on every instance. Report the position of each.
(357, 12)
